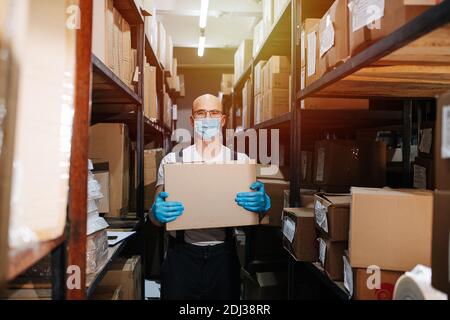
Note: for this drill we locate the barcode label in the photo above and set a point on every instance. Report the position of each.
(445, 133)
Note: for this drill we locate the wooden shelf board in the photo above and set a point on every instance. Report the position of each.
(278, 40)
(151, 56)
(274, 123)
(108, 88)
(21, 260)
(413, 61)
(129, 11)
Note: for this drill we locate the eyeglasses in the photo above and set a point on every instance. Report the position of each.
(202, 114)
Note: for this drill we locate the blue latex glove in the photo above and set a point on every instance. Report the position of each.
(257, 201)
(165, 212)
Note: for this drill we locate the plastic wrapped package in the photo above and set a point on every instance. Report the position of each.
(94, 221)
(96, 251)
(40, 109)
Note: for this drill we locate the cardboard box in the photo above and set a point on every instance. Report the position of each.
(423, 173)
(108, 293)
(167, 110)
(246, 104)
(440, 248)
(258, 37)
(268, 12)
(403, 217)
(168, 67)
(360, 163)
(370, 284)
(162, 44)
(396, 13)
(315, 66)
(110, 142)
(258, 109)
(279, 81)
(334, 35)
(275, 190)
(151, 109)
(96, 251)
(102, 178)
(332, 212)
(307, 198)
(442, 145)
(265, 78)
(126, 273)
(219, 208)
(278, 8)
(330, 255)
(279, 64)
(227, 84)
(242, 58)
(268, 171)
(278, 102)
(299, 234)
(152, 160)
(265, 286)
(259, 77)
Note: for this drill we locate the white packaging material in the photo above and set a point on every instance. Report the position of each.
(94, 222)
(322, 251)
(327, 36)
(289, 228)
(366, 13)
(416, 285)
(320, 212)
(311, 54)
(445, 149)
(44, 119)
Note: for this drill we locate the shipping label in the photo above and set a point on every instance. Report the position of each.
(320, 164)
(445, 148)
(420, 177)
(322, 251)
(348, 276)
(289, 229)
(312, 44)
(327, 36)
(366, 13)
(426, 140)
(321, 215)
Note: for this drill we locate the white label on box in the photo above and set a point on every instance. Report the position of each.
(322, 251)
(302, 46)
(426, 140)
(312, 45)
(320, 164)
(446, 132)
(366, 13)
(327, 36)
(174, 112)
(238, 112)
(420, 177)
(289, 229)
(348, 276)
(302, 79)
(320, 213)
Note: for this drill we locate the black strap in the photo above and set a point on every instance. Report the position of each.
(180, 233)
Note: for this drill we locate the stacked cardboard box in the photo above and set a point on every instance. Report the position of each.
(151, 30)
(110, 143)
(367, 26)
(403, 217)
(162, 45)
(359, 163)
(268, 15)
(151, 109)
(111, 40)
(242, 58)
(125, 273)
(167, 110)
(275, 88)
(169, 63)
(332, 215)
(226, 85)
(299, 234)
(258, 91)
(278, 6)
(246, 104)
(258, 37)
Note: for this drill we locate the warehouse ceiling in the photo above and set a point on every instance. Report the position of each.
(229, 21)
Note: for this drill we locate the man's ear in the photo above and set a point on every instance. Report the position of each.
(224, 120)
(192, 121)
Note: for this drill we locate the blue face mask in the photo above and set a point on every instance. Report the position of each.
(208, 128)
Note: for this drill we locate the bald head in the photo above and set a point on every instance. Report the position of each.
(207, 102)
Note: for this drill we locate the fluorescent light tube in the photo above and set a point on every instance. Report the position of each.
(204, 14)
(201, 46)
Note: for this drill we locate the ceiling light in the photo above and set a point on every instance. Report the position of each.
(201, 46)
(204, 14)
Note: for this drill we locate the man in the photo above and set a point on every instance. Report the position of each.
(203, 264)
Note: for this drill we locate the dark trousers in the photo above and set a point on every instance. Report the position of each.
(191, 272)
